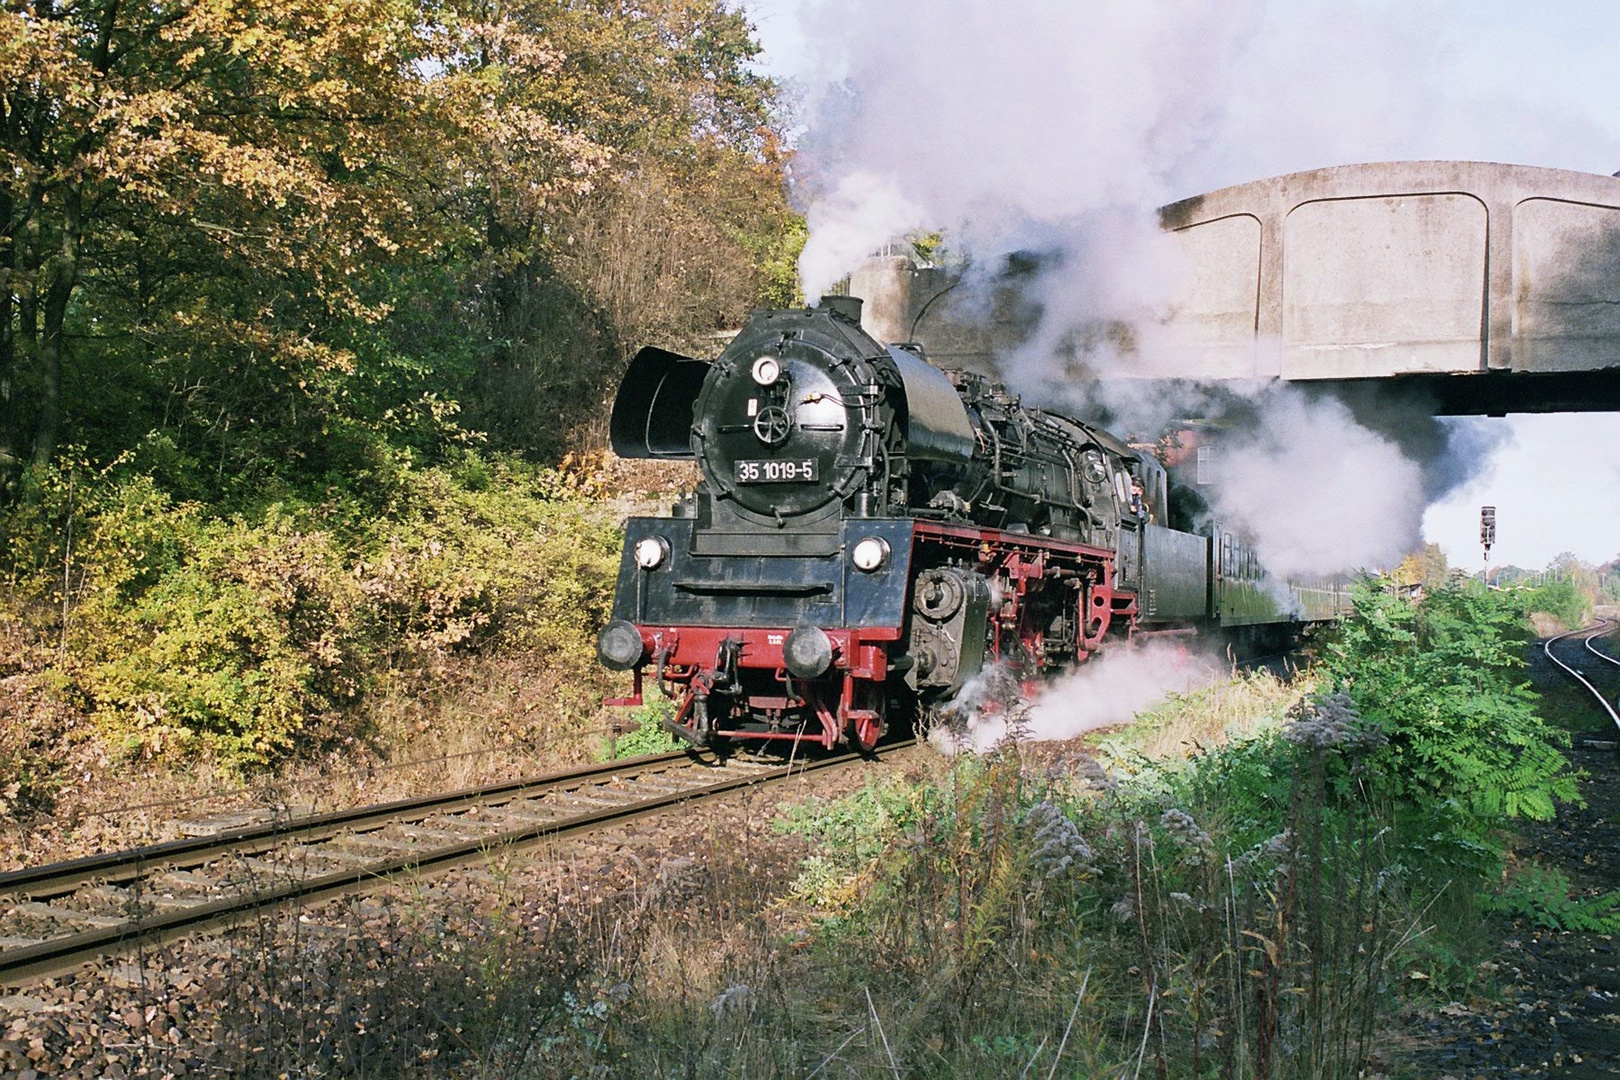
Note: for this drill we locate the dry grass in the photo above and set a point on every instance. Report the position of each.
(495, 713)
(1210, 716)
(1548, 625)
(493, 718)
(644, 487)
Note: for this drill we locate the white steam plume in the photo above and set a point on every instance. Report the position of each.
(1320, 486)
(1012, 126)
(1001, 123)
(1105, 692)
(1059, 127)
(1317, 491)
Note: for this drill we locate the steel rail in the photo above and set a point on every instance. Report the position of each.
(57, 879)
(59, 955)
(1593, 631)
(1593, 649)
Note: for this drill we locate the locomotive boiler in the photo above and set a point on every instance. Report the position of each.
(871, 531)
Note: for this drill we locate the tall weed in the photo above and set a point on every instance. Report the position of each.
(1237, 910)
(1562, 600)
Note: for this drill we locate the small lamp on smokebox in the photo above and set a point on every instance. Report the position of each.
(1487, 537)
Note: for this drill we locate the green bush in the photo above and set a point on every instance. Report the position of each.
(240, 637)
(1445, 681)
(1542, 895)
(649, 736)
(1560, 599)
(250, 633)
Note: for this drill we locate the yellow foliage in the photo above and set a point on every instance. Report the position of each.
(242, 639)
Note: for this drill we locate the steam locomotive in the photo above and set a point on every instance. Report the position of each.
(871, 531)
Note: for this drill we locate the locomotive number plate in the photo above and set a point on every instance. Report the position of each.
(798, 471)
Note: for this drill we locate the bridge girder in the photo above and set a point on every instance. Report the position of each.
(1490, 288)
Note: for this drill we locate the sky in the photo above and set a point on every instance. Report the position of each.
(1480, 79)
(1556, 484)
(1556, 487)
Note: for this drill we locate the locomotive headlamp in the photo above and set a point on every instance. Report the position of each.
(870, 553)
(767, 369)
(807, 652)
(619, 646)
(651, 551)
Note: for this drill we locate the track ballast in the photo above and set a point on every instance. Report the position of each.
(65, 914)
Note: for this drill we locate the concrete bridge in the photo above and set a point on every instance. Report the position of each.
(1491, 288)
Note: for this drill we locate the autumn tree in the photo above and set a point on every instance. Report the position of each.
(619, 182)
(1565, 566)
(286, 241)
(1609, 582)
(193, 199)
(1427, 567)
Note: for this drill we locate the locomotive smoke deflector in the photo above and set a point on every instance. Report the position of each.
(848, 307)
(936, 423)
(652, 412)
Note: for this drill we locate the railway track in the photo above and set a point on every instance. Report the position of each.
(56, 917)
(1579, 675)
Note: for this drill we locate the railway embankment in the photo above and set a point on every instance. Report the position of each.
(431, 632)
(507, 967)
(1548, 1003)
(1261, 878)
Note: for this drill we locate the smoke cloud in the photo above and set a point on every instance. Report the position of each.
(1322, 484)
(1040, 125)
(1317, 491)
(999, 125)
(1105, 692)
(1059, 128)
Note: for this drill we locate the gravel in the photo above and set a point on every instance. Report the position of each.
(1549, 1002)
(368, 979)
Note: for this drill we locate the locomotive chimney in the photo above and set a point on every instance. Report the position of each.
(847, 306)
